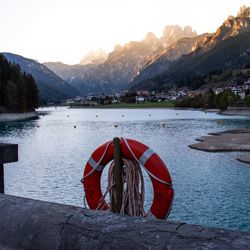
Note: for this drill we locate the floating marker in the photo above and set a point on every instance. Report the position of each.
(219, 122)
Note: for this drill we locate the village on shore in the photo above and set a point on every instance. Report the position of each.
(143, 96)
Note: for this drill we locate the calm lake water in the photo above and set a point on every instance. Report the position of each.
(210, 188)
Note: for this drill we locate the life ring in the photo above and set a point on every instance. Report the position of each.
(131, 149)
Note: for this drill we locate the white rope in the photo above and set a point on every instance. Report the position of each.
(170, 207)
(136, 159)
(84, 202)
(98, 163)
(93, 169)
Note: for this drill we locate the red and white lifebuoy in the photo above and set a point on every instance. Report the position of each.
(131, 149)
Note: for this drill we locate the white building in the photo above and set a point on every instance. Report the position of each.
(139, 99)
(70, 101)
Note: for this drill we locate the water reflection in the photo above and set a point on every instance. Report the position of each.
(211, 189)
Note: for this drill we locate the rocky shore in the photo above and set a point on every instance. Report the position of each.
(7, 117)
(226, 141)
(237, 111)
(244, 158)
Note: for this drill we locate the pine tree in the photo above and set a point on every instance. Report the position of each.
(11, 99)
(18, 91)
(32, 93)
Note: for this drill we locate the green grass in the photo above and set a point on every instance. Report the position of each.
(133, 105)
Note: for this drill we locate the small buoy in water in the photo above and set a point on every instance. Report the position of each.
(74, 126)
(149, 114)
(96, 116)
(38, 126)
(122, 115)
(115, 125)
(67, 115)
(177, 114)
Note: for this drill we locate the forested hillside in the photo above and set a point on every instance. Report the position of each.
(51, 87)
(18, 91)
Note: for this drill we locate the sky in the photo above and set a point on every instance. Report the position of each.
(65, 30)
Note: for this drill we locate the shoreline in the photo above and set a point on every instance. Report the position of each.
(126, 106)
(9, 117)
(237, 140)
(236, 111)
(145, 107)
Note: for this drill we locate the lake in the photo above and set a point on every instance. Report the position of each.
(210, 188)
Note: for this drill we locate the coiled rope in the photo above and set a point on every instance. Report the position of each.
(133, 189)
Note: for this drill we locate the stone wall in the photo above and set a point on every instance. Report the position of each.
(33, 225)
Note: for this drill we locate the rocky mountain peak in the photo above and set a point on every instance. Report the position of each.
(244, 12)
(173, 33)
(150, 38)
(231, 27)
(97, 56)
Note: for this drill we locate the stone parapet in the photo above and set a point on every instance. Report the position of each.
(33, 225)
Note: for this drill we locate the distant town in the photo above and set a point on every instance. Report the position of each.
(241, 90)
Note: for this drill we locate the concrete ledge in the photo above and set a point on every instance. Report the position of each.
(33, 225)
(8, 153)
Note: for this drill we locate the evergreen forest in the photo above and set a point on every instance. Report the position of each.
(18, 90)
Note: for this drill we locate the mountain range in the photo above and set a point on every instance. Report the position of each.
(122, 64)
(205, 56)
(179, 58)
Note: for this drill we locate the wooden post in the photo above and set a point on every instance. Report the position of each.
(1, 179)
(8, 153)
(118, 174)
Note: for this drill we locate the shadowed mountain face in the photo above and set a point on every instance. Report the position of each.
(226, 49)
(160, 61)
(51, 87)
(122, 65)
